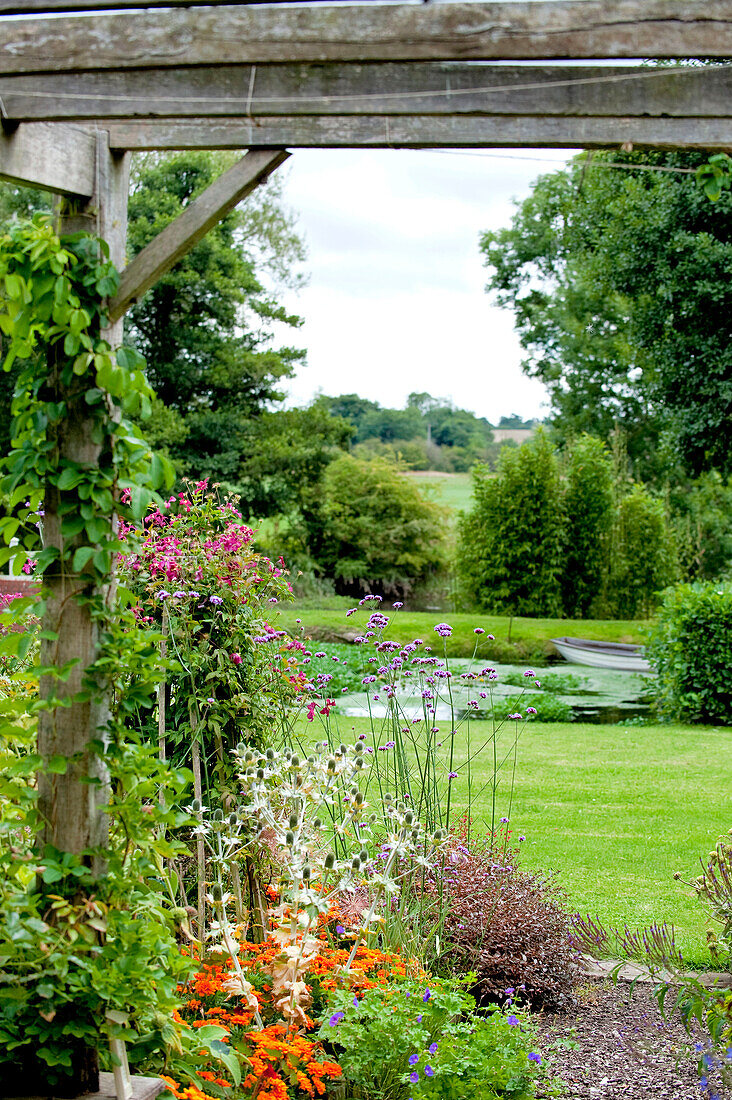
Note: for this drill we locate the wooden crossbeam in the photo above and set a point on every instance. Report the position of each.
(41, 7)
(401, 32)
(50, 156)
(400, 88)
(424, 132)
(189, 227)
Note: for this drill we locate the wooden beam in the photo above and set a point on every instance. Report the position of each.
(189, 227)
(42, 7)
(422, 88)
(51, 157)
(464, 31)
(424, 132)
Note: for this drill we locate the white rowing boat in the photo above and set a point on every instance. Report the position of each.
(617, 655)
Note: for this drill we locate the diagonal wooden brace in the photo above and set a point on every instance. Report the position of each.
(189, 227)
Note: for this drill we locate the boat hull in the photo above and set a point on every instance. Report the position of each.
(615, 655)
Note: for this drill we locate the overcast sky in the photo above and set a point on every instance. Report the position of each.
(396, 299)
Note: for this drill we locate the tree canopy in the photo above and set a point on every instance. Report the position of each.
(619, 279)
(205, 328)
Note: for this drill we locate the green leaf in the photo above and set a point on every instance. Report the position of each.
(70, 477)
(81, 557)
(229, 1059)
(140, 500)
(57, 765)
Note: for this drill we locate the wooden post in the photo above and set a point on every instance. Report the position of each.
(71, 804)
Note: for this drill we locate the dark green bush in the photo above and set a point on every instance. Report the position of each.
(691, 650)
(509, 556)
(589, 507)
(643, 561)
(378, 533)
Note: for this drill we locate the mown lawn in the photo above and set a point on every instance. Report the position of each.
(615, 810)
(516, 639)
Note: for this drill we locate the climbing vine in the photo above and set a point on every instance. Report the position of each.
(83, 965)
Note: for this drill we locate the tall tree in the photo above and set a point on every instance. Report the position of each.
(205, 328)
(619, 278)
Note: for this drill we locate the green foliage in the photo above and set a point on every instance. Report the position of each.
(205, 327)
(702, 524)
(53, 300)
(578, 266)
(591, 543)
(88, 956)
(283, 457)
(378, 533)
(510, 543)
(438, 1045)
(588, 511)
(92, 959)
(691, 651)
(642, 554)
(429, 433)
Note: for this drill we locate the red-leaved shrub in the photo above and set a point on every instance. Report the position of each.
(508, 926)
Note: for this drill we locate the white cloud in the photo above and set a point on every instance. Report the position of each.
(396, 300)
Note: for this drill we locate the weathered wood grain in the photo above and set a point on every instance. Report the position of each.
(189, 227)
(28, 7)
(424, 132)
(51, 156)
(401, 88)
(400, 32)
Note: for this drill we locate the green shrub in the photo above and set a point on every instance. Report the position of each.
(588, 508)
(643, 554)
(691, 650)
(379, 534)
(438, 1046)
(703, 527)
(510, 543)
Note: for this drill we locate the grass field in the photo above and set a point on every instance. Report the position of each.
(516, 639)
(454, 491)
(615, 810)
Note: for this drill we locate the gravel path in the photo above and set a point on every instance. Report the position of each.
(617, 1045)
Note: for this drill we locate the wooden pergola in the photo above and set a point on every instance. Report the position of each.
(81, 88)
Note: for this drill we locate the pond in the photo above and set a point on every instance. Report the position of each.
(566, 693)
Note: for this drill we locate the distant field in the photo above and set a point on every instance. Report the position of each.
(454, 491)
